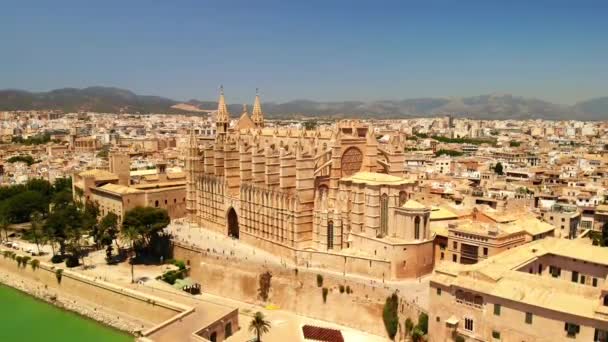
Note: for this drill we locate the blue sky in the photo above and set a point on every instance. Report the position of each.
(320, 50)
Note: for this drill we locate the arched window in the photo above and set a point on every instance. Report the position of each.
(156, 203)
(606, 300)
(383, 215)
(417, 228)
(330, 235)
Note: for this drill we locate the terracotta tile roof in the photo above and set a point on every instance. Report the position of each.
(322, 334)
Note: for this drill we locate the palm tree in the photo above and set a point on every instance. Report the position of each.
(259, 325)
(131, 234)
(36, 228)
(4, 224)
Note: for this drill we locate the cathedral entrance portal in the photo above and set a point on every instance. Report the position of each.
(233, 223)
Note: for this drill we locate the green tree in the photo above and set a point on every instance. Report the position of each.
(36, 229)
(40, 186)
(417, 334)
(310, 124)
(62, 184)
(131, 235)
(259, 325)
(605, 234)
(498, 169)
(107, 233)
(409, 326)
(29, 160)
(146, 223)
(390, 315)
(423, 323)
(4, 222)
(62, 227)
(21, 206)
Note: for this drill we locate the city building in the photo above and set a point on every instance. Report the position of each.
(547, 290)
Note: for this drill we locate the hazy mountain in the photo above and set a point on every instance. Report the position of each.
(97, 99)
(595, 108)
(494, 106)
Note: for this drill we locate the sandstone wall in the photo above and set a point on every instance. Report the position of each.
(238, 279)
(147, 308)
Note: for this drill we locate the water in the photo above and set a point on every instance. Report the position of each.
(24, 318)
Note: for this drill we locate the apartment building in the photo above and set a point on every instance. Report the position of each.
(547, 290)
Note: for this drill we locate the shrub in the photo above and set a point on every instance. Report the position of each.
(389, 315)
(409, 325)
(459, 338)
(423, 323)
(72, 261)
(319, 280)
(58, 275)
(35, 264)
(56, 259)
(18, 259)
(180, 264)
(417, 334)
(172, 275)
(325, 291)
(341, 288)
(264, 283)
(25, 260)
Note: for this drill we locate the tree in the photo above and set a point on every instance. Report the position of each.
(36, 228)
(107, 233)
(259, 325)
(62, 184)
(146, 222)
(409, 326)
(390, 315)
(498, 169)
(417, 334)
(131, 235)
(605, 234)
(310, 124)
(4, 223)
(20, 207)
(423, 323)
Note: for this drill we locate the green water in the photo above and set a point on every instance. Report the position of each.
(24, 318)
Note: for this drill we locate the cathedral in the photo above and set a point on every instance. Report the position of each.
(330, 198)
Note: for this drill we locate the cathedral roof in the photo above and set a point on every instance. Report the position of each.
(374, 178)
(244, 122)
(412, 204)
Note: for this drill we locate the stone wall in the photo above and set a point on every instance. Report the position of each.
(297, 292)
(132, 303)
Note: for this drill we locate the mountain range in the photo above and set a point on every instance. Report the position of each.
(493, 106)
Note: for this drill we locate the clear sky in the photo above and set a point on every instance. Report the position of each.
(308, 49)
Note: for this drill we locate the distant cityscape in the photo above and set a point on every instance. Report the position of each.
(219, 224)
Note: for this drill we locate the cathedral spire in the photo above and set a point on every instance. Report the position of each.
(222, 118)
(257, 115)
(222, 110)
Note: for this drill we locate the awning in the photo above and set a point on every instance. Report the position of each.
(452, 321)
